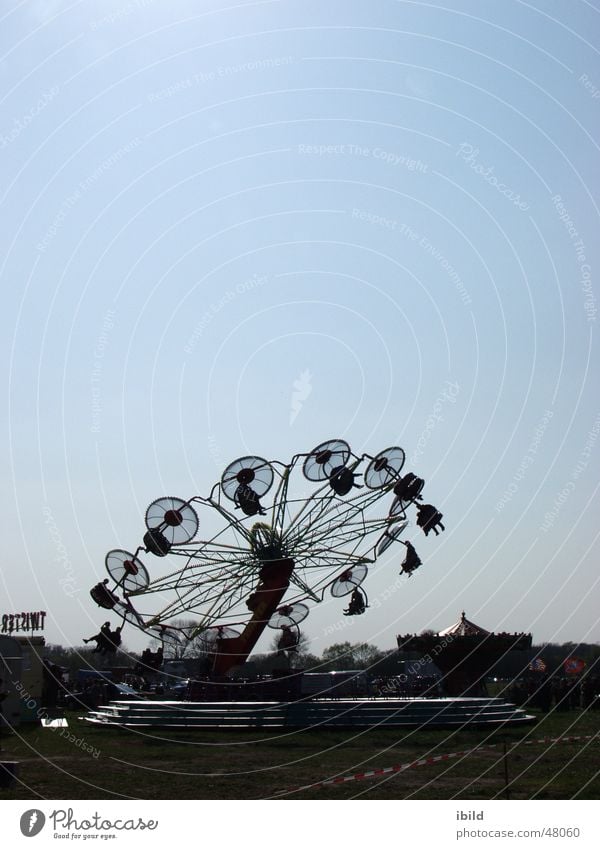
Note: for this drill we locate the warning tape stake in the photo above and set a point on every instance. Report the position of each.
(359, 776)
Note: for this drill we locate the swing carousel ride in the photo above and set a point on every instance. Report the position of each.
(272, 549)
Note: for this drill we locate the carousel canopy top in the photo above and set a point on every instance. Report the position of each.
(464, 635)
(464, 628)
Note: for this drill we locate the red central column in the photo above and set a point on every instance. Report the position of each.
(274, 582)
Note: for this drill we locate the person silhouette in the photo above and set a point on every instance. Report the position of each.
(409, 487)
(107, 641)
(99, 638)
(429, 518)
(412, 560)
(247, 500)
(357, 604)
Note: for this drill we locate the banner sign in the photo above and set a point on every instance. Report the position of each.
(23, 622)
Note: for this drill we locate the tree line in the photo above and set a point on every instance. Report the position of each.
(338, 656)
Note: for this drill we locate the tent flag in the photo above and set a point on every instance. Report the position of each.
(573, 665)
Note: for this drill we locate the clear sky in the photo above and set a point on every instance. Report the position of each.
(393, 203)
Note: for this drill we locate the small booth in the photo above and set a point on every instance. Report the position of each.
(32, 677)
(21, 665)
(10, 673)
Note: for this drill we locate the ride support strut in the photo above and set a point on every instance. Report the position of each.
(274, 583)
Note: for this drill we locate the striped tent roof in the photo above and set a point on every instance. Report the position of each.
(464, 628)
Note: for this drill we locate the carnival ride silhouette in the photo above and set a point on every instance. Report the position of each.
(294, 544)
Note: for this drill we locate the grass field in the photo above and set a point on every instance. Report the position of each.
(249, 765)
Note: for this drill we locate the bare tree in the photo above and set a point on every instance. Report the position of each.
(340, 656)
(182, 648)
(300, 657)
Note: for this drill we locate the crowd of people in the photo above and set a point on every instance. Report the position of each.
(562, 689)
(558, 692)
(89, 689)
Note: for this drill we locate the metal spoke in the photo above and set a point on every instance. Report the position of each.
(323, 531)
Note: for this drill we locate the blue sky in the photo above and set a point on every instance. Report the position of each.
(204, 202)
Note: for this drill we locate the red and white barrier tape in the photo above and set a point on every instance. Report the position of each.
(359, 776)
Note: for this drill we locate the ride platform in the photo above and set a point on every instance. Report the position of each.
(313, 714)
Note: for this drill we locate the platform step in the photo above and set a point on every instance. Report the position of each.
(317, 713)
